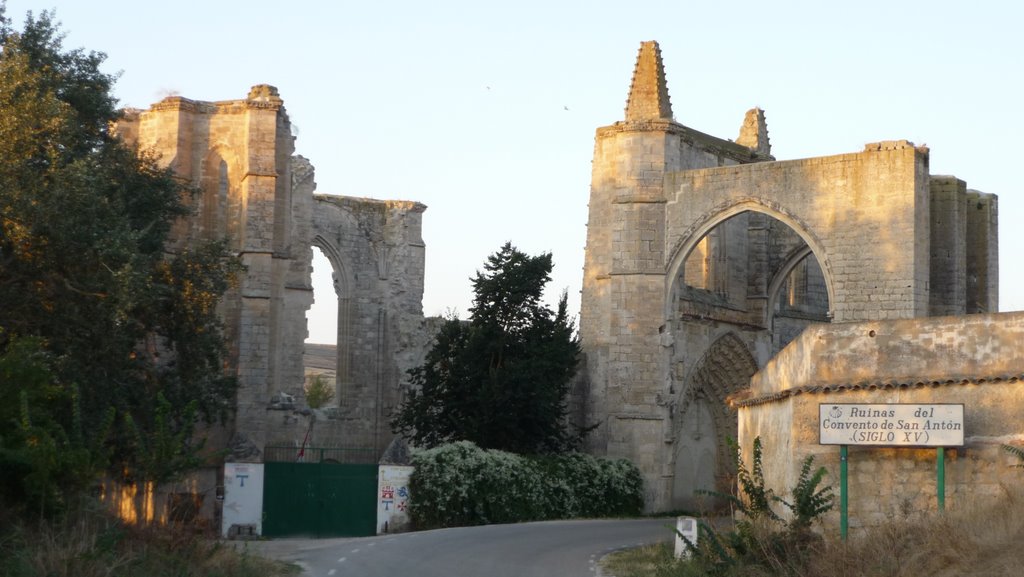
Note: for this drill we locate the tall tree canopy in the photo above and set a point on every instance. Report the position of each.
(107, 343)
(499, 380)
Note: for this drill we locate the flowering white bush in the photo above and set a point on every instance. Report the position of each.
(462, 484)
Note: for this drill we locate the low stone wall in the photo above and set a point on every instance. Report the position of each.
(975, 361)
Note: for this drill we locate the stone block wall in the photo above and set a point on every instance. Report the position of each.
(238, 152)
(982, 252)
(377, 252)
(948, 246)
(971, 360)
(257, 194)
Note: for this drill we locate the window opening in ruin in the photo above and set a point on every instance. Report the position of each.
(321, 355)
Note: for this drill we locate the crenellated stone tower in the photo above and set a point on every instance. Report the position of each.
(705, 257)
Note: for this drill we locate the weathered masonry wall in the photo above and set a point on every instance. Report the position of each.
(855, 211)
(706, 257)
(974, 360)
(253, 191)
(376, 250)
(239, 154)
(964, 253)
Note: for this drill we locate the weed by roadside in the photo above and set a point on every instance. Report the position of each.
(970, 539)
(93, 544)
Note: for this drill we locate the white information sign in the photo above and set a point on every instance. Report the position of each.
(895, 425)
(686, 527)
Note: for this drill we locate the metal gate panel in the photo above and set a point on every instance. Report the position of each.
(319, 499)
(289, 499)
(349, 497)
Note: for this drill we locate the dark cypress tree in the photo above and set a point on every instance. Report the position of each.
(501, 379)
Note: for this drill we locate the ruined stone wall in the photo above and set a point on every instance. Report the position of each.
(254, 192)
(376, 249)
(238, 154)
(974, 360)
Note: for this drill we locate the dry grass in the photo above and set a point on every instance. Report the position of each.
(638, 562)
(90, 544)
(972, 540)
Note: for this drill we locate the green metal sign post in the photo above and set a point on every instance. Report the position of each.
(844, 519)
(940, 476)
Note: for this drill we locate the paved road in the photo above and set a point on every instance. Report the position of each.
(548, 549)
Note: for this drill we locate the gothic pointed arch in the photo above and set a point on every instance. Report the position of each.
(703, 422)
(342, 292)
(691, 238)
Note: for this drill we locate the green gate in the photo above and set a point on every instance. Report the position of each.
(322, 492)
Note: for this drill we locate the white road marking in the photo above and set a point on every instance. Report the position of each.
(331, 572)
(355, 550)
(342, 560)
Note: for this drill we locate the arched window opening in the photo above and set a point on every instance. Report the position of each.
(321, 349)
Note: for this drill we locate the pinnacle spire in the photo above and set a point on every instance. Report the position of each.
(648, 93)
(754, 132)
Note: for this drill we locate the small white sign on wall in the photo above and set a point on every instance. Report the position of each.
(243, 499)
(891, 425)
(393, 498)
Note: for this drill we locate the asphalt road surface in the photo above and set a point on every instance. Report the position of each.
(547, 549)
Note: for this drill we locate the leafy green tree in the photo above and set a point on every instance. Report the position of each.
(499, 380)
(84, 276)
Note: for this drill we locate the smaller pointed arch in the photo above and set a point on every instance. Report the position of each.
(704, 460)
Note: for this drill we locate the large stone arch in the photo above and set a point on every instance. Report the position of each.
(856, 226)
(705, 223)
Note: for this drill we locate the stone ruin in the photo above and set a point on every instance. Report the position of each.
(725, 294)
(707, 258)
(251, 188)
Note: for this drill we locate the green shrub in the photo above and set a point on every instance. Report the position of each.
(462, 484)
(762, 539)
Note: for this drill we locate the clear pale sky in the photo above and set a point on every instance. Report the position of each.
(486, 112)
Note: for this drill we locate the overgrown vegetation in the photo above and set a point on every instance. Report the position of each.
(762, 539)
(499, 380)
(462, 484)
(111, 349)
(967, 540)
(92, 544)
